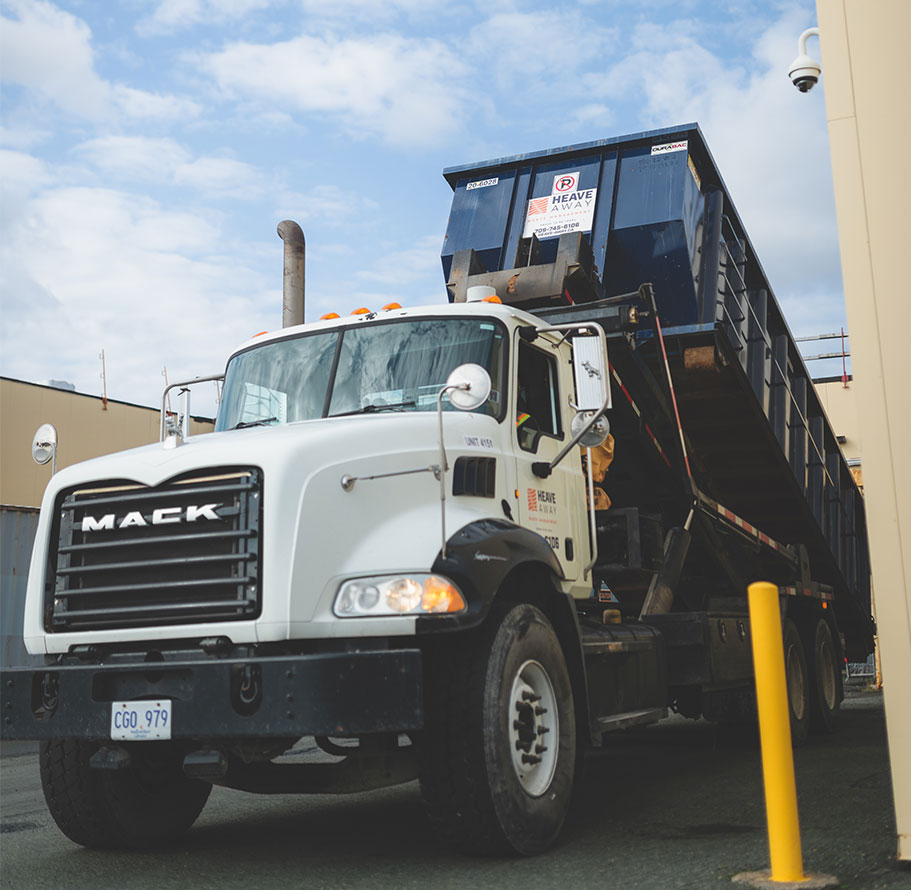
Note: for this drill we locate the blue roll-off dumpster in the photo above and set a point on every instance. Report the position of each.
(588, 224)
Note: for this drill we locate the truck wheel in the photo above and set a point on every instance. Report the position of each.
(149, 804)
(798, 683)
(825, 680)
(499, 746)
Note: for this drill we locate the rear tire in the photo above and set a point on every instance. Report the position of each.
(826, 690)
(798, 683)
(499, 747)
(149, 804)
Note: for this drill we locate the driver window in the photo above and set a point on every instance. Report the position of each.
(536, 397)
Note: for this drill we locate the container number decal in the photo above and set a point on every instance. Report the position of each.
(482, 183)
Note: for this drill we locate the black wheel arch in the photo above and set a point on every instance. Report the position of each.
(494, 559)
(480, 557)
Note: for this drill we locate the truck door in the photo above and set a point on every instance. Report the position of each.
(547, 506)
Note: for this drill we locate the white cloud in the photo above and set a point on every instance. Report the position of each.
(220, 177)
(152, 287)
(163, 160)
(22, 137)
(399, 88)
(169, 15)
(49, 51)
(539, 50)
(156, 283)
(172, 15)
(20, 176)
(594, 114)
(21, 171)
(406, 266)
(142, 104)
(769, 141)
(135, 157)
(327, 204)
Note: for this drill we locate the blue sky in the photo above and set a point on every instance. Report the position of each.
(148, 149)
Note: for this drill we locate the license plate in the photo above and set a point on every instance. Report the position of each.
(141, 721)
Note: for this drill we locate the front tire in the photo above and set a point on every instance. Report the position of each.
(147, 805)
(499, 746)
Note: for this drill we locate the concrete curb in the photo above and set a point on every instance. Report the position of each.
(762, 880)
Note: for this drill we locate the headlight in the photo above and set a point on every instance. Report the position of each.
(398, 595)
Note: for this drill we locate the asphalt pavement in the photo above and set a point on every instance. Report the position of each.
(676, 806)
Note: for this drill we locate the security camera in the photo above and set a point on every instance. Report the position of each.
(804, 71)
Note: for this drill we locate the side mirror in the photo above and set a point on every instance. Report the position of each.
(590, 370)
(594, 433)
(44, 446)
(468, 387)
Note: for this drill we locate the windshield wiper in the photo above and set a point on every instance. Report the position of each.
(245, 423)
(370, 409)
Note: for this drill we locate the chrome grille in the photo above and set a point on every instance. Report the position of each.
(183, 552)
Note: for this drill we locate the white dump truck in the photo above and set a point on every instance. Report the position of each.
(406, 539)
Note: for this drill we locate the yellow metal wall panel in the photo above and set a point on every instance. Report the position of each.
(84, 430)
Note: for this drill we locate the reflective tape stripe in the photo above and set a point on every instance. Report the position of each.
(632, 402)
(806, 591)
(750, 529)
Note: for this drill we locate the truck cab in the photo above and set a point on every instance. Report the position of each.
(317, 564)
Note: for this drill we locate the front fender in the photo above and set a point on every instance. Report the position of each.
(479, 556)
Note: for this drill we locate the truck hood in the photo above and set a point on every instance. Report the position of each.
(309, 441)
(315, 532)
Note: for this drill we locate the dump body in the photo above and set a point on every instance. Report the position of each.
(572, 233)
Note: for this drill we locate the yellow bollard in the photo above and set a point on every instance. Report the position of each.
(775, 734)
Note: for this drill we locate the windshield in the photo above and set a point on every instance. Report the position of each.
(395, 366)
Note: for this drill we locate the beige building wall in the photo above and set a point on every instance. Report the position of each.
(864, 49)
(85, 429)
(840, 404)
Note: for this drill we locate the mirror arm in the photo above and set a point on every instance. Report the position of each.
(444, 466)
(464, 378)
(169, 387)
(593, 526)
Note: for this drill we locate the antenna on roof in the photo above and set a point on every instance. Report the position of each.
(104, 377)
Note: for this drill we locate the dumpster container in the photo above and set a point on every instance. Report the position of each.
(573, 232)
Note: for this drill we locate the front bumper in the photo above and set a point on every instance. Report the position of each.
(332, 694)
